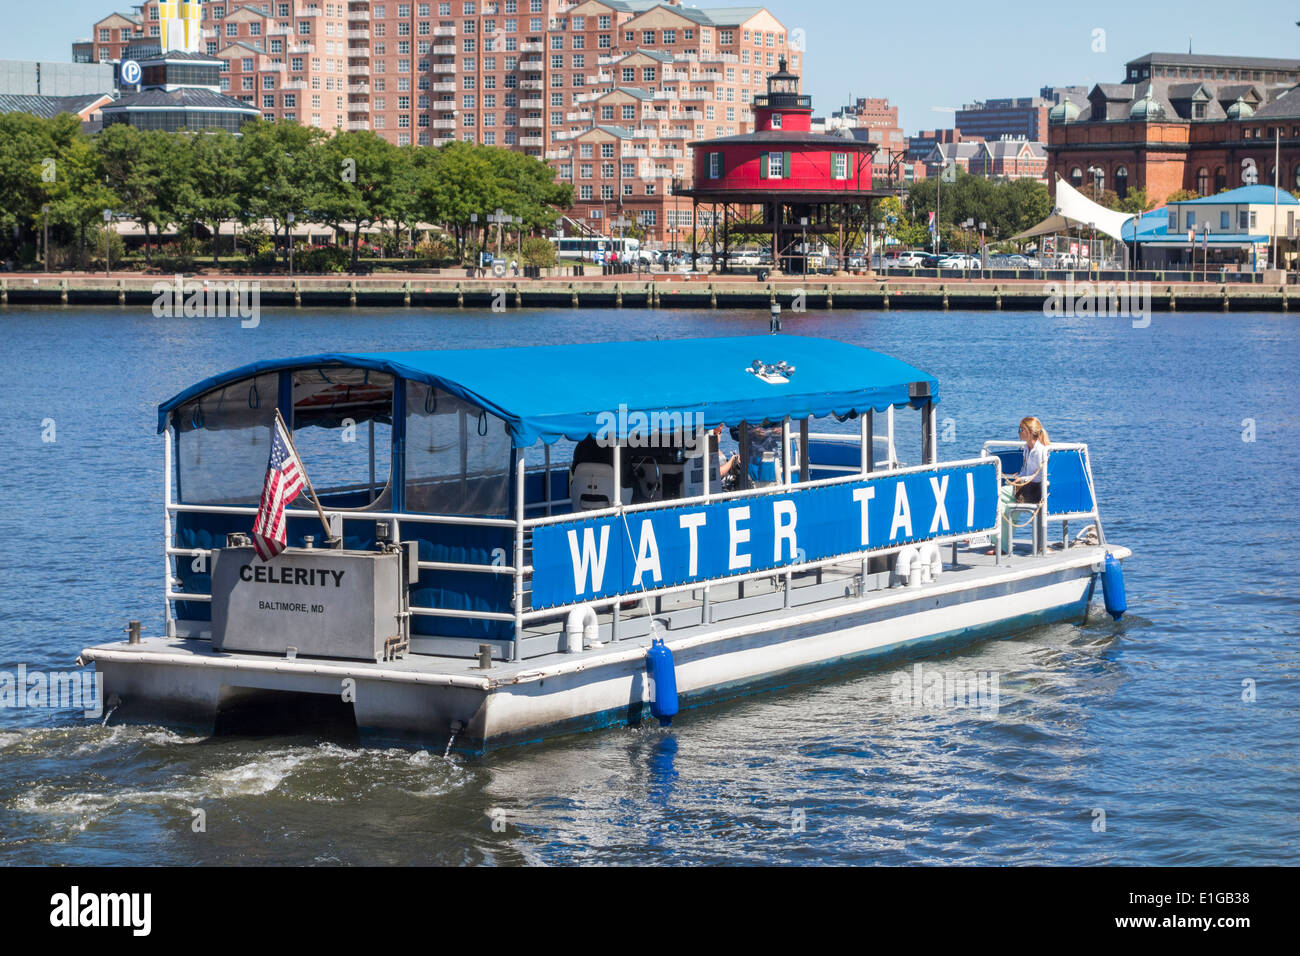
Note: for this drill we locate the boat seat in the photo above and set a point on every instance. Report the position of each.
(591, 487)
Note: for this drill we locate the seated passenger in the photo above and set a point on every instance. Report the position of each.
(1026, 486)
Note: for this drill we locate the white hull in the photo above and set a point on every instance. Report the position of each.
(421, 699)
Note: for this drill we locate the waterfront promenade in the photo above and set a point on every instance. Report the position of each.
(448, 289)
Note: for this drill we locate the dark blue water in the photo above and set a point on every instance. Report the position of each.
(1144, 720)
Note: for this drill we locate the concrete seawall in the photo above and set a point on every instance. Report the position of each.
(656, 291)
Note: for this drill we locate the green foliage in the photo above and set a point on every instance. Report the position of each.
(1005, 206)
(539, 251)
(323, 259)
(1182, 195)
(192, 184)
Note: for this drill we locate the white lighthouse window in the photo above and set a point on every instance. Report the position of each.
(776, 121)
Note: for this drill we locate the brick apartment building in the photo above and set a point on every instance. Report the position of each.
(873, 120)
(1181, 122)
(622, 83)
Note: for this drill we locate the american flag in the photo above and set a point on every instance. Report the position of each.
(284, 479)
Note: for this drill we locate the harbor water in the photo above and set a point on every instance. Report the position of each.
(1169, 737)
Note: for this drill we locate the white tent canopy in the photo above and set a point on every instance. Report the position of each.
(1082, 211)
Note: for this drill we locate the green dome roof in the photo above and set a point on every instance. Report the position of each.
(1146, 108)
(1241, 109)
(1065, 111)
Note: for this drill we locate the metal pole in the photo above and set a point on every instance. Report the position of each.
(45, 220)
(519, 554)
(864, 425)
(1277, 170)
(168, 620)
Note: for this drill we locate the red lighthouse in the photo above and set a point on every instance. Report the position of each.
(807, 184)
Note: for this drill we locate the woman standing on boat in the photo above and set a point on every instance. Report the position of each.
(1025, 487)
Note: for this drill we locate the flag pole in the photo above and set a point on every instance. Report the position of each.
(311, 492)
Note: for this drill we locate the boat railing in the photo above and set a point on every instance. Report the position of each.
(1069, 504)
(783, 573)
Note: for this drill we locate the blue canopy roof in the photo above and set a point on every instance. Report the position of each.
(1252, 195)
(560, 391)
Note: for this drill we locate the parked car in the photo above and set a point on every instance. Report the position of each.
(909, 259)
(959, 261)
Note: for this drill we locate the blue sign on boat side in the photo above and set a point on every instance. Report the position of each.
(582, 560)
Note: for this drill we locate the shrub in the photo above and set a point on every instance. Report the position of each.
(539, 251)
(323, 259)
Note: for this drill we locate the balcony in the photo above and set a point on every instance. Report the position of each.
(530, 47)
(358, 125)
(531, 104)
(443, 123)
(532, 122)
(530, 84)
(558, 153)
(444, 31)
(444, 49)
(359, 88)
(579, 117)
(443, 68)
(443, 86)
(293, 85)
(530, 141)
(358, 69)
(362, 16)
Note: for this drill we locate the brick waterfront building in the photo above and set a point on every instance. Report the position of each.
(1181, 122)
(609, 88)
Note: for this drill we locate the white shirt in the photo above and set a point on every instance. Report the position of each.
(1035, 463)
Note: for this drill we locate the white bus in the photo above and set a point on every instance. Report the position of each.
(595, 249)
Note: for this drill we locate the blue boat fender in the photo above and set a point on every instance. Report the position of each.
(1112, 587)
(663, 682)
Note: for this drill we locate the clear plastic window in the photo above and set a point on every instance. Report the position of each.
(457, 455)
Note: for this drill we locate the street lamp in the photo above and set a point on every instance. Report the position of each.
(1092, 247)
(108, 218)
(1096, 172)
(291, 218)
(45, 227)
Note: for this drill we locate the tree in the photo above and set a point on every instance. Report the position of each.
(455, 182)
(76, 194)
(25, 144)
(134, 163)
(216, 177)
(284, 172)
(368, 182)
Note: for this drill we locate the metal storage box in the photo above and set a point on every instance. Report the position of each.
(324, 603)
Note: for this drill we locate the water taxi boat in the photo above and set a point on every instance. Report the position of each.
(517, 543)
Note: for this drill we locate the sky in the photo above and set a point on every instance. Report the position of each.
(927, 58)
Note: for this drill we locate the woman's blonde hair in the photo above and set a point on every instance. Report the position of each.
(1036, 429)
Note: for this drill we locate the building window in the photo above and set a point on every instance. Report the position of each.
(1121, 182)
(772, 165)
(776, 121)
(715, 165)
(1076, 177)
(839, 165)
(1223, 221)
(1203, 181)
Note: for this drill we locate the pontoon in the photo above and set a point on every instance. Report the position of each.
(523, 542)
